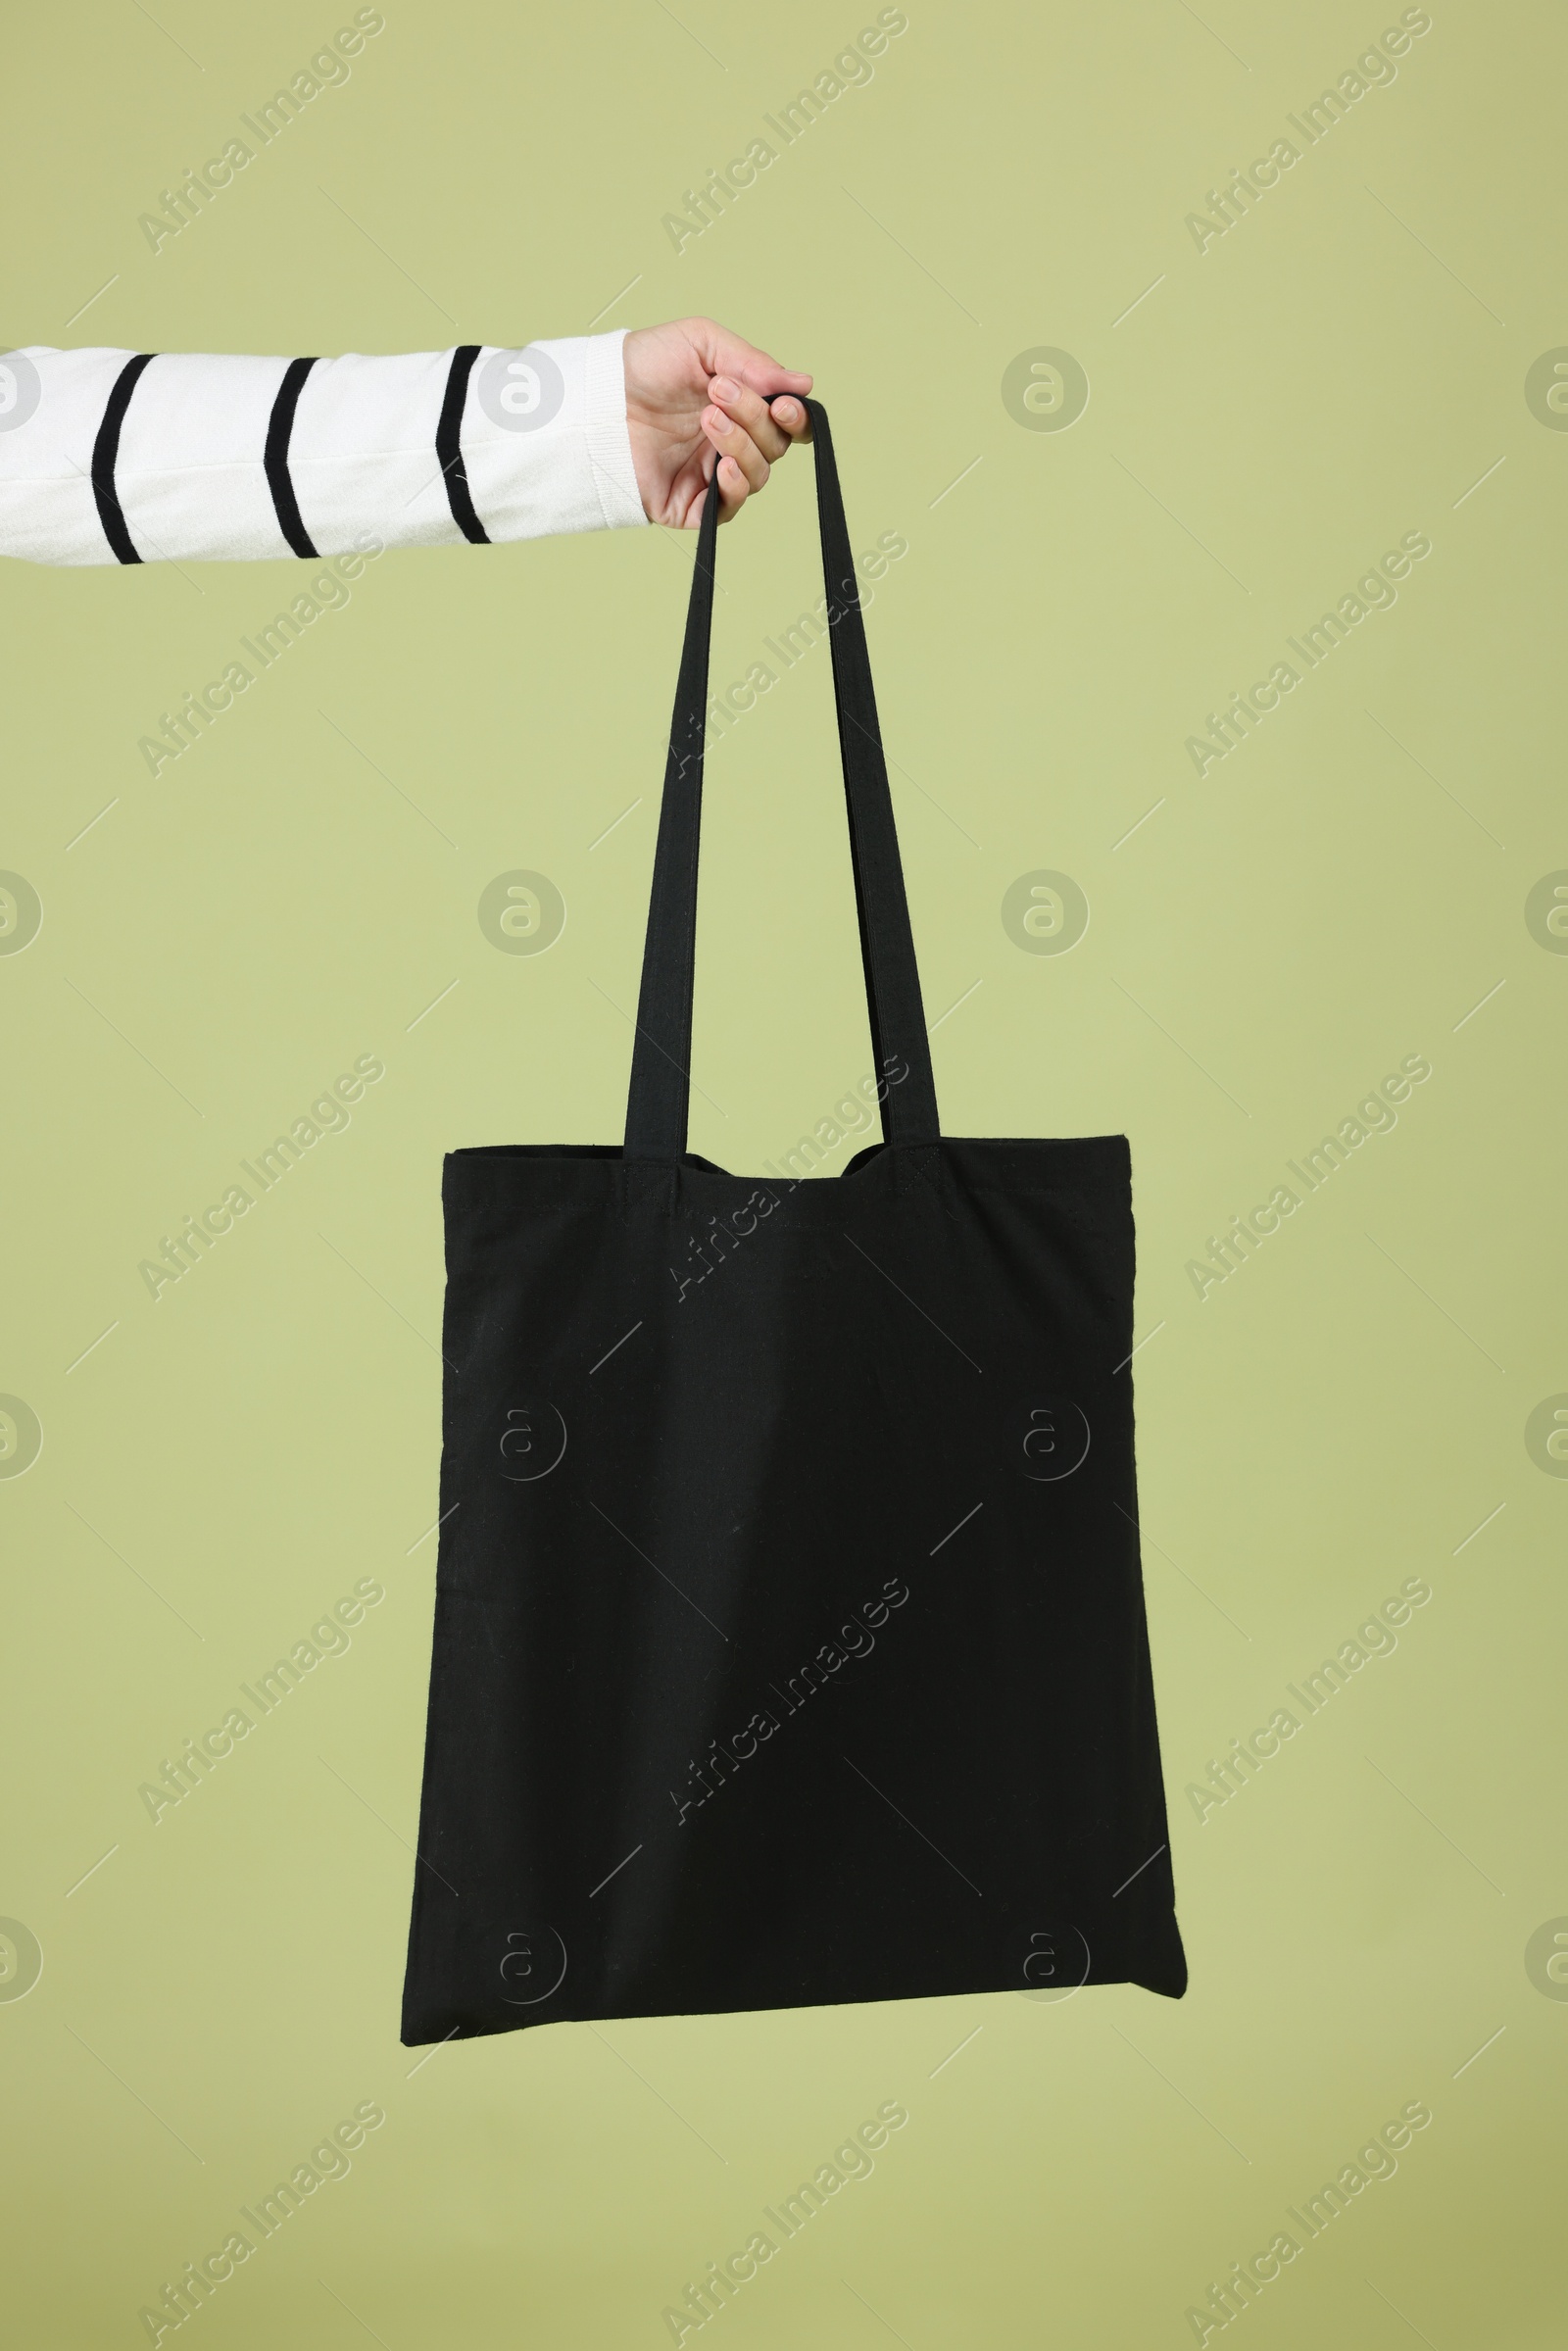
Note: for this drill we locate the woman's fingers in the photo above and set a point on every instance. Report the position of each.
(793, 416)
(689, 493)
(750, 411)
(771, 429)
(733, 491)
(733, 441)
(742, 434)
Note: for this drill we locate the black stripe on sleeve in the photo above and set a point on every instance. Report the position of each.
(449, 445)
(280, 480)
(105, 451)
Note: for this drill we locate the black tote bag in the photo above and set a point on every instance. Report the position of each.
(789, 1637)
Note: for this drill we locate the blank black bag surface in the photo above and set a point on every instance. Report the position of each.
(789, 1637)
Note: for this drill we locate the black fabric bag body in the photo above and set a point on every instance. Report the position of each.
(789, 1643)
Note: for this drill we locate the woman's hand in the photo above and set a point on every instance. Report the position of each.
(696, 398)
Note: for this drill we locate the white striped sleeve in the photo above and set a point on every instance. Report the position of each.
(116, 457)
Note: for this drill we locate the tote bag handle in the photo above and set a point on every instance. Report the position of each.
(661, 1083)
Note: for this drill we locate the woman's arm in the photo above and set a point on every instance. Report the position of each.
(121, 457)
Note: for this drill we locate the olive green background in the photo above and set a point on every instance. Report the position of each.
(1347, 887)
